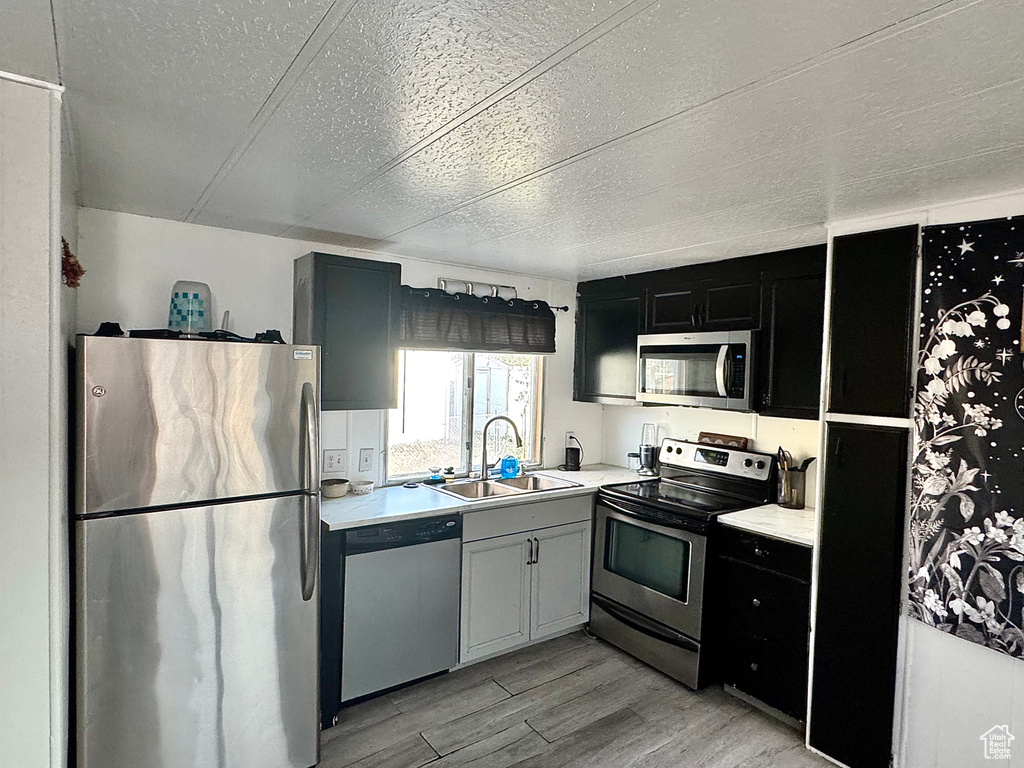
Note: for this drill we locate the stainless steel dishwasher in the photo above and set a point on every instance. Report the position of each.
(401, 603)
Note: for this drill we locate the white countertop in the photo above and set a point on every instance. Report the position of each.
(396, 503)
(795, 525)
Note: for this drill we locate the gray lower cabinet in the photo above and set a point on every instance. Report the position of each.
(523, 586)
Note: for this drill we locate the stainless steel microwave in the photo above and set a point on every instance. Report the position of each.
(710, 370)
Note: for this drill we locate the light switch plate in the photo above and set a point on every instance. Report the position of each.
(335, 460)
(365, 459)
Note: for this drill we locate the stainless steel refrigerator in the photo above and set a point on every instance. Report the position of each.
(196, 551)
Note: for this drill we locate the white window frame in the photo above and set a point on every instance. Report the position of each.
(468, 404)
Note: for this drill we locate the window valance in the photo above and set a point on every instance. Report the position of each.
(434, 319)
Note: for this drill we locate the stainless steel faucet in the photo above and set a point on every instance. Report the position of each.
(485, 469)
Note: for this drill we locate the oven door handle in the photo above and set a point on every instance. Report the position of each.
(642, 625)
(637, 514)
(721, 370)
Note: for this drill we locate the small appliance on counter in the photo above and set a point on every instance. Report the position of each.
(573, 454)
(648, 452)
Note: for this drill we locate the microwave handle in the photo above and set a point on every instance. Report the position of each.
(721, 370)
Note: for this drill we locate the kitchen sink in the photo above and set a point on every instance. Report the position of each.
(536, 483)
(476, 489)
(485, 489)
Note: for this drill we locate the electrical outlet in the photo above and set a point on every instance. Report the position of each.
(570, 438)
(335, 460)
(365, 459)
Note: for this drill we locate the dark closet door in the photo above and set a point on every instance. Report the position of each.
(871, 326)
(860, 579)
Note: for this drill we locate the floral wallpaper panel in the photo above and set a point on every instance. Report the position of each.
(967, 504)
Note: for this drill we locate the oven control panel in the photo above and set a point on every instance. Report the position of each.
(715, 458)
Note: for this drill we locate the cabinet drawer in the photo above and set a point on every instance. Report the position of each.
(763, 604)
(775, 674)
(519, 518)
(765, 552)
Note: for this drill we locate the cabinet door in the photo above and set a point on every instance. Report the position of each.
(561, 579)
(606, 333)
(350, 308)
(871, 327)
(791, 356)
(860, 579)
(730, 305)
(674, 309)
(495, 595)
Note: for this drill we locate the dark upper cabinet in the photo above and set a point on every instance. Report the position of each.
(673, 309)
(793, 329)
(860, 581)
(607, 324)
(781, 293)
(712, 304)
(871, 328)
(350, 307)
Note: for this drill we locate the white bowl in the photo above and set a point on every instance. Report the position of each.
(334, 488)
(361, 487)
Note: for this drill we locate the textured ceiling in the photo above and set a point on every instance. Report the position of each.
(566, 138)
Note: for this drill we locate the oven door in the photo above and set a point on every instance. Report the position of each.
(701, 369)
(649, 566)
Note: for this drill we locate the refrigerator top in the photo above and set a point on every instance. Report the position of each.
(168, 422)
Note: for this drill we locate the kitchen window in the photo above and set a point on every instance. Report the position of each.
(444, 400)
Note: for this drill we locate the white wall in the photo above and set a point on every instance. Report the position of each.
(951, 691)
(133, 261)
(623, 423)
(33, 418)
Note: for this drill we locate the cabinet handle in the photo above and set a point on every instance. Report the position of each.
(757, 603)
(753, 666)
(536, 550)
(529, 557)
(704, 313)
(760, 552)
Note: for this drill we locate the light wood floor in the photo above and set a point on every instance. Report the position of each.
(572, 702)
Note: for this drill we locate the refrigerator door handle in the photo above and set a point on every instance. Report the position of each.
(310, 523)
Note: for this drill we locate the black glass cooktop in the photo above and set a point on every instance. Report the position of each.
(690, 501)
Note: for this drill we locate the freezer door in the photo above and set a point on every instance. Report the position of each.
(166, 422)
(194, 646)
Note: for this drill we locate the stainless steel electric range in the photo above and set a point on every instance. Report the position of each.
(651, 551)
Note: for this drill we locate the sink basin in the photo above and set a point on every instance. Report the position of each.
(476, 489)
(536, 483)
(486, 489)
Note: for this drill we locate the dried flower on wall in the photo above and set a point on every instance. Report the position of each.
(71, 270)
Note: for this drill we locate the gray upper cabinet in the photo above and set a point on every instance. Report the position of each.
(350, 308)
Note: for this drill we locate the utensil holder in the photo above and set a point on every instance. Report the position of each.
(792, 488)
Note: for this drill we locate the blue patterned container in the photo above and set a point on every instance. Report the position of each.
(191, 307)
